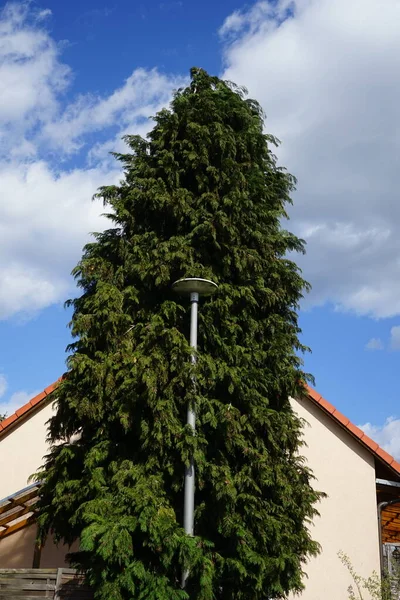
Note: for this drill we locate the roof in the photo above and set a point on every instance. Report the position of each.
(313, 395)
(355, 431)
(20, 414)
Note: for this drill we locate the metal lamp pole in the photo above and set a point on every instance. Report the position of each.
(194, 287)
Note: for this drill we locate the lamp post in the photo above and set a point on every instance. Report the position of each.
(194, 287)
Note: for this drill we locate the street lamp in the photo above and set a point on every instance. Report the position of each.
(194, 287)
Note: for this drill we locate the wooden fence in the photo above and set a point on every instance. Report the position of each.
(31, 584)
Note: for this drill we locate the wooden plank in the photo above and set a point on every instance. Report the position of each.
(32, 501)
(10, 597)
(5, 505)
(27, 580)
(72, 577)
(10, 577)
(25, 595)
(37, 554)
(18, 523)
(58, 584)
(25, 584)
(19, 498)
(86, 594)
(80, 589)
(13, 513)
(16, 593)
(18, 520)
(8, 515)
(13, 502)
(29, 573)
(75, 594)
(25, 494)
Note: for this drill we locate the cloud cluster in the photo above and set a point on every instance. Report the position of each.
(31, 77)
(395, 338)
(45, 217)
(325, 73)
(130, 105)
(374, 344)
(46, 212)
(393, 343)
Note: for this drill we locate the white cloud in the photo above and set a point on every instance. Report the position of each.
(386, 435)
(3, 385)
(31, 74)
(15, 401)
(233, 23)
(42, 230)
(136, 100)
(9, 405)
(374, 344)
(395, 338)
(248, 21)
(43, 14)
(46, 212)
(325, 76)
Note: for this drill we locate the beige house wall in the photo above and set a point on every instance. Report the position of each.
(17, 549)
(348, 517)
(22, 451)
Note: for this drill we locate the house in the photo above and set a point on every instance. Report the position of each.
(359, 516)
(359, 478)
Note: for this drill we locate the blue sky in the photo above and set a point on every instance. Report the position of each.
(75, 76)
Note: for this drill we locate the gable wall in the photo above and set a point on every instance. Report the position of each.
(22, 451)
(348, 517)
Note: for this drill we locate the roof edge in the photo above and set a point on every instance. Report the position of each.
(355, 431)
(21, 413)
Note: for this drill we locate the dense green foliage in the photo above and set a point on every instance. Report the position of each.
(203, 197)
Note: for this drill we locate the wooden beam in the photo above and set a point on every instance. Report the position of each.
(37, 554)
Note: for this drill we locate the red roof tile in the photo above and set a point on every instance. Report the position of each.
(341, 418)
(353, 429)
(328, 407)
(356, 431)
(22, 412)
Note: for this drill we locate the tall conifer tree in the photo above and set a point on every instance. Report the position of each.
(203, 197)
